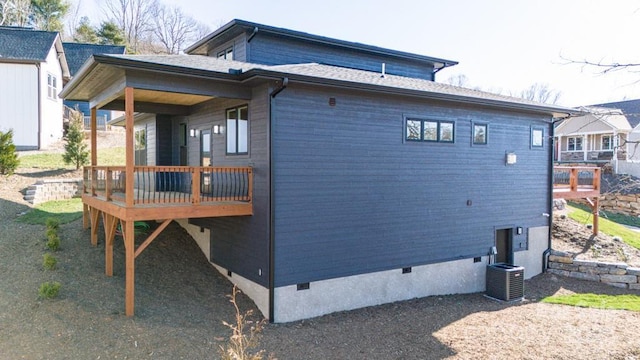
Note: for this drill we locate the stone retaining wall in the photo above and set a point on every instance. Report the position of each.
(615, 274)
(53, 189)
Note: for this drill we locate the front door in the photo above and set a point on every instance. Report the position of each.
(205, 160)
(504, 246)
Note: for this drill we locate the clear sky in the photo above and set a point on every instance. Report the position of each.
(501, 45)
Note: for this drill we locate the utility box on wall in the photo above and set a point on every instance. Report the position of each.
(505, 282)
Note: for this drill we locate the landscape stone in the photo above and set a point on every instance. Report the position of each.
(629, 279)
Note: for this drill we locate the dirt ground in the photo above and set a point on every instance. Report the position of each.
(181, 303)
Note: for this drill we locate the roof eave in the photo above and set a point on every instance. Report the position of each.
(555, 111)
(316, 38)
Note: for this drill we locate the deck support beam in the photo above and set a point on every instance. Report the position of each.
(152, 237)
(110, 225)
(129, 260)
(95, 217)
(595, 205)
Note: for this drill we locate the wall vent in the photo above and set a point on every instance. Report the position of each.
(303, 286)
(406, 270)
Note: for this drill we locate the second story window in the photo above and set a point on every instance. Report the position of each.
(238, 131)
(226, 54)
(52, 87)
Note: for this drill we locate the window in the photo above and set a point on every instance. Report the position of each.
(226, 54)
(480, 134)
(607, 144)
(140, 147)
(238, 131)
(52, 87)
(574, 144)
(537, 137)
(429, 130)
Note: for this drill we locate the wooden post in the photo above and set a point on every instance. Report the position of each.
(110, 225)
(95, 217)
(195, 184)
(596, 206)
(129, 244)
(128, 113)
(94, 137)
(86, 216)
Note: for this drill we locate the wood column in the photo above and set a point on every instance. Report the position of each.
(94, 137)
(129, 244)
(110, 225)
(95, 217)
(596, 216)
(128, 113)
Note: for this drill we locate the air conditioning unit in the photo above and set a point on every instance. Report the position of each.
(505, 282)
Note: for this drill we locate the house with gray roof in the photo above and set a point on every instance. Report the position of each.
(32, 71)
(77, 54)
(320, 175)
(604, 133)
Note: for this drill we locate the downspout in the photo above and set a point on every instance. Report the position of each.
(272, 206)
(255, 31)
(39, 103)
(552, 136)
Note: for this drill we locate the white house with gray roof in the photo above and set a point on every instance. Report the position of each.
(32, 71)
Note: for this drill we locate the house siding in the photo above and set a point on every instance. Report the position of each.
(19, 103)
(51, 109)
(240, 244)
(239, 44)
(295, 51)
(352, 197)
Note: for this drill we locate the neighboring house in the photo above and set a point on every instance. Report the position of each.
(600, 136)
(32, 71)
(321, 175)
(631, 110)
(77, 54)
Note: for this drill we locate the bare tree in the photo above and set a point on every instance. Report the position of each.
(173, 28)
(540, 93)
(15, 12)
(134, 17)
(459, 80)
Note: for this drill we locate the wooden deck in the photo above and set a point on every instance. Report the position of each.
(573, 182)
(158, 193)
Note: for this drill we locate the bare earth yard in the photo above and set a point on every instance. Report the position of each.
(181, 303)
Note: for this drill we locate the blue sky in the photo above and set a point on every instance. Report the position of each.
(501, 45)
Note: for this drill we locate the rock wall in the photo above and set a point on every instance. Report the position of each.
(623, 204)
(615, 274)
(53, 189)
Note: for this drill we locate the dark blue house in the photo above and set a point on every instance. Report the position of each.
(356, 179)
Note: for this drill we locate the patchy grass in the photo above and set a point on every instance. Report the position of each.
(64, 211)
(606, 226)
(617, 218)
(106, 157)
(617, 302)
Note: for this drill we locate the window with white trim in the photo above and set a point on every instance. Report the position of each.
(238, 131)
(52, 87)
(574, 144)
(607, 142)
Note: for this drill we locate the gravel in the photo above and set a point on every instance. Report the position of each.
(181, 302)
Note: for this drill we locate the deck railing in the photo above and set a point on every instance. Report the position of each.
(576, 180)
(171, 184)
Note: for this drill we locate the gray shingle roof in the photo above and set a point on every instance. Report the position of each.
(631, 109)
(324, 73)
(25, 44)
(77, 53)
